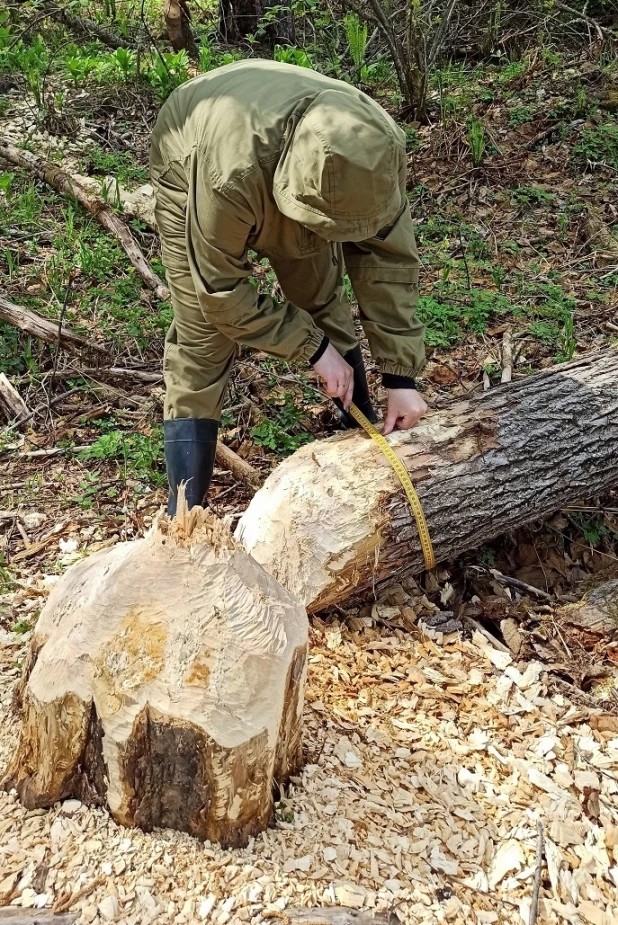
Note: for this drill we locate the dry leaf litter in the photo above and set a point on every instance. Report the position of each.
(429, 763)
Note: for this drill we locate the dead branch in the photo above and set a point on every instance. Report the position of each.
(65, 183)
(600, 31)
(46, 330)
(10, 399)
(89, 29)
(240, 468)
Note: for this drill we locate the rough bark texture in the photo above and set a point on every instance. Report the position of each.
(165, 680)
(332, 519)
(70, 186)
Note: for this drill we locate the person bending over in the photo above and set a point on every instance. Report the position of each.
(311, 173)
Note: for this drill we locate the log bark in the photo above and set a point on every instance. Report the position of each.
(332, 521)
(70, 186)
(165, 680)
(46, 330)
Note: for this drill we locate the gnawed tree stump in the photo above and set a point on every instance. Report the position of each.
(165, 680)
(332, 520)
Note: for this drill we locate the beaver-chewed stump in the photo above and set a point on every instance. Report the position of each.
(165, 680)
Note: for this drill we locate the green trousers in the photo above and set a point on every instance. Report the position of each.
(198, 358)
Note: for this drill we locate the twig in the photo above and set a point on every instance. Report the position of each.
(519, 585)
(534, 905)
(582, 16)
(65, 302)
(507, 357)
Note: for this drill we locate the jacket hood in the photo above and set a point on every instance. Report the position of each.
(339, 172)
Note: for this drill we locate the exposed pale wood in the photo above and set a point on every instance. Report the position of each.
(178, 25)
(240, 468)
(13, 916)
(335, 915)
(507, 357)
(165, 680)
(59, 178)
(137, 203)
(10, 399)
(28, 321)
(332, 520)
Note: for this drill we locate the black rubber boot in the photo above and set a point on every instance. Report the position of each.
(190, 446)
(360, 396)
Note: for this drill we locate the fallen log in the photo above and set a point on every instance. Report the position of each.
(44, 329)
(332, 520)
(165, 680)
(61, 180)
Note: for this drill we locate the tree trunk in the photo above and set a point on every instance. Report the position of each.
(165, 679)
(178, 26)
(332, 520)
(239, 18)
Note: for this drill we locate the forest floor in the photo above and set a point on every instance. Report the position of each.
(433, 757)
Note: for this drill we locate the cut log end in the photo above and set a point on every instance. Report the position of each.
(165, 680)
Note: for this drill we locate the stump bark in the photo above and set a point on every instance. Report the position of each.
(165, 680)
(332, 520)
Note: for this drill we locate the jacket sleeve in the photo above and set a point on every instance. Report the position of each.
(218, 225)
(384, 275)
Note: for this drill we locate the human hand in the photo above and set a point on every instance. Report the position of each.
(337, 375)
(405, 409)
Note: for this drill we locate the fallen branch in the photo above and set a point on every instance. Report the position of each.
(89, 29)
(10, 399)
(46, 330)
(110, 372)
(240, 468)
(70, 186)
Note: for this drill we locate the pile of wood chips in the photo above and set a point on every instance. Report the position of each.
(428, 770)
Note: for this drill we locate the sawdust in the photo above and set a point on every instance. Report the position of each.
(427, 769)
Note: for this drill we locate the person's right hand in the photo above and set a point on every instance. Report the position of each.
(337, 375)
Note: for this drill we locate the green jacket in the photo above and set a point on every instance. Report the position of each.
(281, 160)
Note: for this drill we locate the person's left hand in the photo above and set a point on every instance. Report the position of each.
(404, 409)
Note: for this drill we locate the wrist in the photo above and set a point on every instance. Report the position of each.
(394, 381)
(319, 353)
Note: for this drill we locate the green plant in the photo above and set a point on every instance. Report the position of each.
(169, 71)
(124, 62)
(141, 455)
(22, 627)
(282, 433)
(289, 54)
(476, 140)
(599, 145)
(356, 34)
(520, 114)
(452, 313)
(532, 196)
(567, 341)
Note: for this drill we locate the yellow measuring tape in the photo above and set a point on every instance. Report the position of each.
(404, 478)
